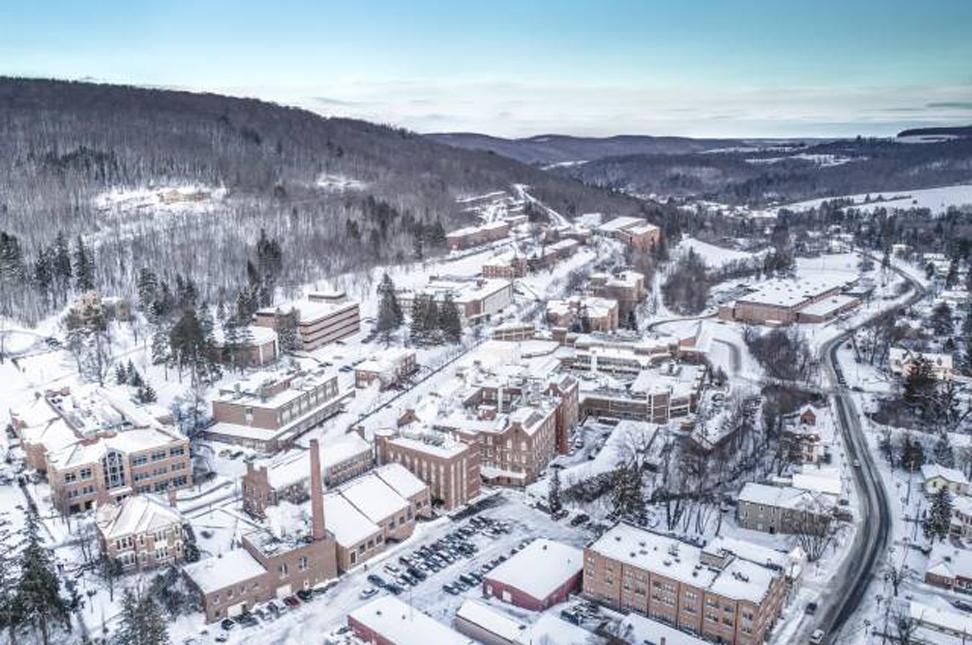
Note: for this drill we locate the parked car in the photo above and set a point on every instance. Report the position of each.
(962, 605)
(449, 589)
(580, 519)
(305, 594)
(292, 602)
(811, 608)
(817, 637)
(392, 569)
(248, 620)
(228, 624)
(368, 592)
(376, 580)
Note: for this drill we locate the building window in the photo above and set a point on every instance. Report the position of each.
(283, 570)
(302, 563)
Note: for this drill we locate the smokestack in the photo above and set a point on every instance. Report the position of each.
(317, 492)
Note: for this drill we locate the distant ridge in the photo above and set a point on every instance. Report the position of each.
(955, 131)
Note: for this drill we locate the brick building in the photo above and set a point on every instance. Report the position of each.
(477, 299)
(627, 287)
(141, 532)
(448, 466)
(270, 565)
(788, 300)
(541, 575)
(254, 346)
(506, 265)
(471, 236)
(269, 413)
(718, 596)
(287, 476)
(633, 231)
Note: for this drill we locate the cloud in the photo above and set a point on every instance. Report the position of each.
(951, 105)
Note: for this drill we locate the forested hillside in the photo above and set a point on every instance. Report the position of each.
(183, 183)
(784, 173)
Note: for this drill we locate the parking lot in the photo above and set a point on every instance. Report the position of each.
(453, 556)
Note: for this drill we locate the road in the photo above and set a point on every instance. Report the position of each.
(862, 562)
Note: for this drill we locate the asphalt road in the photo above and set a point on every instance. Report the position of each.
(862, 564)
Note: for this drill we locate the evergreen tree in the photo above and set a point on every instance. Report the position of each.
(449, 321)
(121, 376)
(912, 454)
(919, 382)
(62, 264)
(943, 453)
(941, 320)
(43, 273)
(147, 285)
(626, 498)
(142, 622)
(83, 267)
(287, 332)
(553, 494)
(38, 596)
(939, 518)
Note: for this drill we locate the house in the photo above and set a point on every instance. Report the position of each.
(726, 599)
(901, 361)
(783, 509)
(386, 620)
(961, 525)
(140, 532)
(543, 574)
(949, 567)
(935, 477)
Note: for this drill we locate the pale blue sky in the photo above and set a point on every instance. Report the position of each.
(731, 67)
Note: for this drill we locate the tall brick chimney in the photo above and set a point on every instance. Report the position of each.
(317, 492)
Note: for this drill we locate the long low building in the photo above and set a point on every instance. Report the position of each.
(783, 301)
(718, 596)
(386, 620)
(321, 319)
(477, 299)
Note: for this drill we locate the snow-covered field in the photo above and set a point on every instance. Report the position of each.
(714, 256)
(938, 200)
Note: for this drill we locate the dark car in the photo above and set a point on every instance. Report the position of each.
(292, 602)
(962, 605)
(248, 620)
(570, 616)
(305, 594)
(415, 573)
(273, 608)
(580, 519)
(376, 580)
(393, 589)
(811, 608)
(467, 579)
(449, 589)
(228, 624)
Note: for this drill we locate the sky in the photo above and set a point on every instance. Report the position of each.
(733, 68)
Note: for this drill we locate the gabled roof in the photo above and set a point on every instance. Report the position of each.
(136, 515)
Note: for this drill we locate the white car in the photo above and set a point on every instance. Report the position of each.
(368, 592)
(817, 637)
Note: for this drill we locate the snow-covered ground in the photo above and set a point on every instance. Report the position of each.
(714, 256)
(339, 183)
(938, 200)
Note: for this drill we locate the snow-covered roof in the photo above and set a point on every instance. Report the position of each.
(293, 467)
(492, 620)
(640, 629)
(311, 311)
(739, 579)
(540, 568)
(374, 498)
(54, 434)
(951, 475)
(941, 619)
(621, 222)
(254, 334)
(397, 622)
(828, 306)
(948, 561)
(226, 569)
(90, 451)
(786, 497)
(386, 361)
(900, 356)
(551, 629)
(790, 292)
(135, 515)
(400, 480)
(746, 550)
(348, 525)
(822, 482)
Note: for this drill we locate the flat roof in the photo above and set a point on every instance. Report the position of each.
(401, 624)
(540, 568)
(790, 292)
(829, 305)
(490, 619)
(223, 570)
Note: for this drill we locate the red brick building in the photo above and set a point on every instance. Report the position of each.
(543, 574)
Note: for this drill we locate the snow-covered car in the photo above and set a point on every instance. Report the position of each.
(368, 592)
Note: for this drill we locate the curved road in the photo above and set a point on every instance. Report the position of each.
(861, 563)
